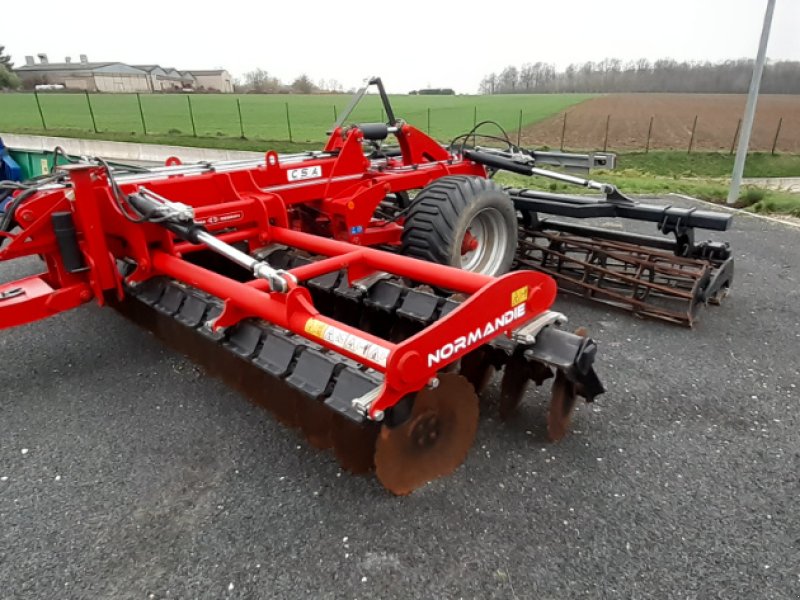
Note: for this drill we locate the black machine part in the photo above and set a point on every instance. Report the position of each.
(669, 219)
(650, 275)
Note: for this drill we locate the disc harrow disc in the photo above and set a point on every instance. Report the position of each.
(434, 440)
(316, 421)
(562, 403)
(478, 369)
(353, 444)
(517, 373)
(513, 386)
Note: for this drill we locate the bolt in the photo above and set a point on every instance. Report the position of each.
(433, 383)
(377, 415)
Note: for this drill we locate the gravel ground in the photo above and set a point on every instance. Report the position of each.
(125, 473)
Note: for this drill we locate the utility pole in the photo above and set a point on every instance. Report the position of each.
(750, 108)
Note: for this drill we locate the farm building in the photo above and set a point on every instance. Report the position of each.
(83, 75)
(219, 80)
(118, 77)
(164, 80)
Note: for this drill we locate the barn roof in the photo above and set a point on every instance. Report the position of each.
(70, 66)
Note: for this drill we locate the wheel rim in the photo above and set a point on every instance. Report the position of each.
(483, 247)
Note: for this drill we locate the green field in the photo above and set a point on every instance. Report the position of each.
(264, 116)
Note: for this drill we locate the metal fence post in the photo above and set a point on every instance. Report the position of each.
(241, 122)
(777, 133)
(335, 115)
(429, 120)
(191, 116)
(288, 123)
(474, 125)
(519, 128)
(649, 132)
(91, 111)
(735, 135)
(605, 140)
(691, 139)
(141, 113)
(41, 112)
(563, 131)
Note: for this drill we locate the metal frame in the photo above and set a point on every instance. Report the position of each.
(252, 214)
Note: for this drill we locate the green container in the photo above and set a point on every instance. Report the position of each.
(34, 163)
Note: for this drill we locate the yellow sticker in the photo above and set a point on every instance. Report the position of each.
(315, 328)
(519, 296)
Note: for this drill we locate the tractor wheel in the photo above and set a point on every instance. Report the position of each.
(462, 221)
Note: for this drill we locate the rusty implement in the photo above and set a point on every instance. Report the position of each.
(666, 276)
(646, 281)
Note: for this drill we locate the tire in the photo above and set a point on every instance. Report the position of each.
(444, 211)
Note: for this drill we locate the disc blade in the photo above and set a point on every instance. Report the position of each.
(513, 386)
(434, 441)
(518, 372)
(562, 404)
(353, 444)
(315, 421)
(478, 369)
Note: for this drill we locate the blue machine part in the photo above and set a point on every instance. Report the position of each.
(9, 171)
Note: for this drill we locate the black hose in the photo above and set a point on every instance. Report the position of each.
(7, 222)
(465, 136)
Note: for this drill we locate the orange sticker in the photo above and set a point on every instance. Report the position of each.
(315, 328)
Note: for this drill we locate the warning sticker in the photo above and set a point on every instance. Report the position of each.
(347, 341)
(519, 296)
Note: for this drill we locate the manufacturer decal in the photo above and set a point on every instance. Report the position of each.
(475, 337)
(305, 173)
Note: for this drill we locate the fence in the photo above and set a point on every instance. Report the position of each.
(308, 118)
(715, 141)
(266, 117)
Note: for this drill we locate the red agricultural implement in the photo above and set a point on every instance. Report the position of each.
(298, 279)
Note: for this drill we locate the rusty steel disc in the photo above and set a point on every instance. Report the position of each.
(517, 373)
(315, 420)
(513, 385)
(562, 403)
(478, 369)
(353, 444)
(434, 440)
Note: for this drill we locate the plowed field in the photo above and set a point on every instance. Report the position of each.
(673, 116)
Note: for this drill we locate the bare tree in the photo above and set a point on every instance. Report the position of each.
(663, 75)
(261, 81)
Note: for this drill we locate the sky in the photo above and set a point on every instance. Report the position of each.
(410, 43)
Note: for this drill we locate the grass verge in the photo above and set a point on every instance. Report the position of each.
(632, 181)
(219, 142)
(709, 164)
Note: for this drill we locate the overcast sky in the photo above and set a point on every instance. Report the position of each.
(410, 43)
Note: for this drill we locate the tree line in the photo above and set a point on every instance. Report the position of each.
(261, 82)
(663, 75)
(8, 79)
